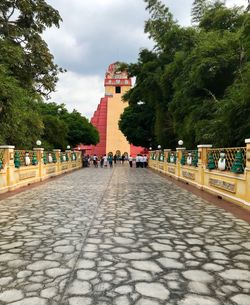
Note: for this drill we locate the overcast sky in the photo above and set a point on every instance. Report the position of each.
(96, 33)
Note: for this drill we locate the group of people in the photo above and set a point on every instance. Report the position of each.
(108, 160)
(141, 161)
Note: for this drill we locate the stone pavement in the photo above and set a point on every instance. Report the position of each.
(120, 237)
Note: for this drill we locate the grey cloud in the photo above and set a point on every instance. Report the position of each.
(95, 33)
(101, 35)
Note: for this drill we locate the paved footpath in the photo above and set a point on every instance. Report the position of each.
(120, 237)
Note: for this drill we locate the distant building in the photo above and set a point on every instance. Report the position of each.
(107, 115)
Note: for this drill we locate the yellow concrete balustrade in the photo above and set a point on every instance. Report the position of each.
(230, 186)
(12, 178)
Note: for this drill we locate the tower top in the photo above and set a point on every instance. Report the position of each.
(115, 77)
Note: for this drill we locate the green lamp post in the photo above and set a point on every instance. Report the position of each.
(211, 163)
(61, 157)
(168, 159)
(34, 159)
(175, 158)
(183, 159)
(67, 153)
(238, 165)
(45, 161)
(195, 159)
(161, 157)
(17, 159)
(54, 157)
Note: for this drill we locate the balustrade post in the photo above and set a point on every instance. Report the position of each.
(166, 153)
(8, 156)
(69, 162)
(247, 169)
(57, 154)
(158, 152)
(150, 160)
(80, 159)
(39, 155)
(179, 151)
(202, 162)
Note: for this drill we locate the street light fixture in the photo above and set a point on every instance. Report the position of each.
(150, 148)
(38, 143)
(159, 146)
(68, 146)
(180, 142)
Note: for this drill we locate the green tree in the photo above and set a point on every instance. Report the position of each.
(20, 123)
(196, 80)
(137, 123)
(160, 22)
(22, 23)
(62, 128)
(80, 130)
(147, 91)
(198, 10)
(218, 17)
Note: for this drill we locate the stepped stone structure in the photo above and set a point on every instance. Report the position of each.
(107, 115)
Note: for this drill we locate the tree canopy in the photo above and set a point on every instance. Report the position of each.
(62, 128)
(28, 75)
(195, 82)
(23, 49)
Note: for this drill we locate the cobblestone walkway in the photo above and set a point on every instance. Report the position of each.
(120, 237)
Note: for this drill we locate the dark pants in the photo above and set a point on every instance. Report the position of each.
(131, 163)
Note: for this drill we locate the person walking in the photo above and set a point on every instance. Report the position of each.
(130, 160)
(105, 161)
(140, 161)
(137, 161)
(115, 158)
(123, 158)
(86, 161)
(95, 160)
(110, 160)
(101, 161)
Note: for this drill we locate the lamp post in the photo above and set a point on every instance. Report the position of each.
(159, 146)
(181, 154)
(68, 147)
(37, 154)
(180, 142)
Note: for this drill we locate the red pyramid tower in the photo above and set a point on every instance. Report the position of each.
(107, 115)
